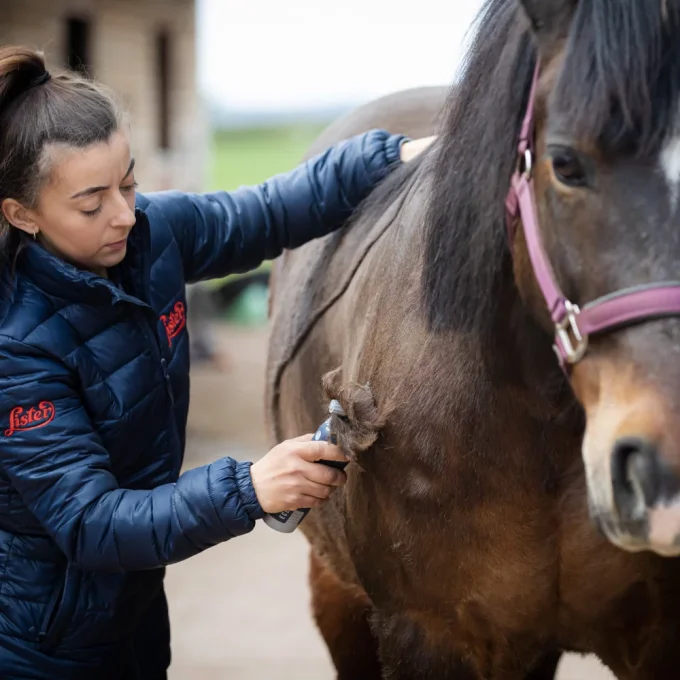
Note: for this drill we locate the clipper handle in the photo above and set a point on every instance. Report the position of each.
(287, 521)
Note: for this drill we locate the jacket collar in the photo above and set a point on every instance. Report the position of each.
(59, 279)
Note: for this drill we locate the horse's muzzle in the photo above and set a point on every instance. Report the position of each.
(645, 514)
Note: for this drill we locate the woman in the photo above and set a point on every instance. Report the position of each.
(94, 379)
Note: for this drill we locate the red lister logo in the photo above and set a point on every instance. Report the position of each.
(174, 322)
(21, 419)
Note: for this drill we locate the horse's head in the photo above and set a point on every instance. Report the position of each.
(606, 173)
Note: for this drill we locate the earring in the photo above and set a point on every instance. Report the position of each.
(35, 231)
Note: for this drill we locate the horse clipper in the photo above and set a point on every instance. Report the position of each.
(287, 521)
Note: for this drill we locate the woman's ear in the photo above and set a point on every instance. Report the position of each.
(20, 217)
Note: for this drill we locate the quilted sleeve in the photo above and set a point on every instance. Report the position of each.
(221, 233)
(58, 464)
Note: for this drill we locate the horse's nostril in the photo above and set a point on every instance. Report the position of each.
(641, 477)
(636, 474)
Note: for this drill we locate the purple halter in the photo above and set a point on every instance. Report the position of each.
(573, 326)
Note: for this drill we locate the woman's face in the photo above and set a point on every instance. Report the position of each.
(85, 211)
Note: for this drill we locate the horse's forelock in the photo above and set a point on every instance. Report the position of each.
(620, 83)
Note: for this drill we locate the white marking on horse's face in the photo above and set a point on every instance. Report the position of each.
(664, 528)
(595, 453)
(670, 164)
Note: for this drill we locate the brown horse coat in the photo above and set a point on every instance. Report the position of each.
(461, 546)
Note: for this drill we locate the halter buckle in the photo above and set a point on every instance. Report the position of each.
(525, 162)
(573, 343)
(528, 163)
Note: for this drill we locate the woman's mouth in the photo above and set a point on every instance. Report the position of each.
(118, 245)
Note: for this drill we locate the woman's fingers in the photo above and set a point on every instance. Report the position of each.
(324, 474)
(319, 491)
(409, 150)
(313, 451)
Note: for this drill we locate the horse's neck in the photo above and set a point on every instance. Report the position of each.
(520, 355)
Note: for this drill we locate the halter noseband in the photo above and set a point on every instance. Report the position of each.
(573, 326)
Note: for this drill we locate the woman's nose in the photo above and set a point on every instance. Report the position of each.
(125, 217)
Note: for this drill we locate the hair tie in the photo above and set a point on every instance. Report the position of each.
(40, 80)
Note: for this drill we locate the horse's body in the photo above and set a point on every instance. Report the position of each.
(461, 546)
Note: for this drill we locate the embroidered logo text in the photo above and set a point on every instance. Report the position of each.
(174, 322)
(21, 419)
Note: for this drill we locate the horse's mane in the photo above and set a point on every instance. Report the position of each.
(467, 263)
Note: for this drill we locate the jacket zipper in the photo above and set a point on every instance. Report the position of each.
(152, 336)
(59, 611)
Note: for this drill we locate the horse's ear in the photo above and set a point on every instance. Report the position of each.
(550, 21)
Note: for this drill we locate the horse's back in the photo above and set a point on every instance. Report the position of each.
(413, 112)
(298, 287)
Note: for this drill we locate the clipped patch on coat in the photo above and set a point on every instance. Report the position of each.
(358, 430)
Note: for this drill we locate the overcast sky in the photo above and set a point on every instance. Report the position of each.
(291, 54)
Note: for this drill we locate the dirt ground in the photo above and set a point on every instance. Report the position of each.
(240, 611)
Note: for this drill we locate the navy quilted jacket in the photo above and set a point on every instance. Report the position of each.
(94, 392)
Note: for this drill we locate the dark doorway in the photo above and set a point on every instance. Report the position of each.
(163, 74)
(78, 45)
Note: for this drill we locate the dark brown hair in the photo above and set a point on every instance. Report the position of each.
(37, 109)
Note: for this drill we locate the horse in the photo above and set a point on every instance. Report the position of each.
(512, 489)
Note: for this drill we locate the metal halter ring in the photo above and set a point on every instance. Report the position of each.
(573, 343)
(528, 163)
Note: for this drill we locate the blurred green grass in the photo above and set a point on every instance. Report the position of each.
(245, 157)
(250, 156)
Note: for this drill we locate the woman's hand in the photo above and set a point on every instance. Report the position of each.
(409, 150)
(287, 478)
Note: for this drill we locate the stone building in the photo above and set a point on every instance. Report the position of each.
(145, 50)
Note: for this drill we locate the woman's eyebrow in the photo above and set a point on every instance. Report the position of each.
(94, 190)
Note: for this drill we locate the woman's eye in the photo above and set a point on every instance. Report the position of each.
(128, 188)
(92, 213)
(568, 169)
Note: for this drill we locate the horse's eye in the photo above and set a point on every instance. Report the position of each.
(568, 169)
